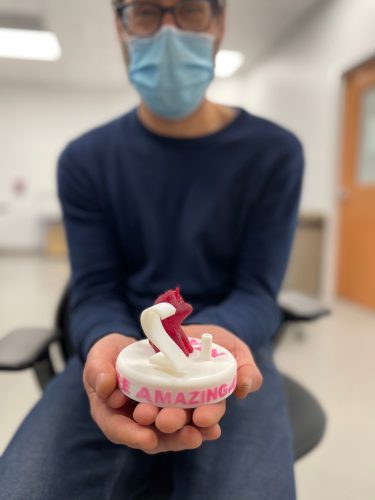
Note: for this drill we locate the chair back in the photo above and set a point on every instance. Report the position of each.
(62, 323)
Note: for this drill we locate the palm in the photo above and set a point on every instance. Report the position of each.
(249, 379)
(139, 425)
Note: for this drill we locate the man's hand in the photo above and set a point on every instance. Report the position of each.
(139, 425)
(249, 378)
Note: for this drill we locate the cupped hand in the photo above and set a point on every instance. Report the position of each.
(207, 417)
(249, 378)
(139, 425)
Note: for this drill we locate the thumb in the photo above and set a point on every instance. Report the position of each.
(100, 373)
(249, 378)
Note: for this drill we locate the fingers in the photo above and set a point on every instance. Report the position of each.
(138, 425)
(210, 433)
(209, 415)
(186, 438)
(170, 420)
(117, 399)
(118, 426)
(166, 420)
(145, 414)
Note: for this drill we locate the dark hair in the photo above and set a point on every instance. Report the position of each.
(220, 4)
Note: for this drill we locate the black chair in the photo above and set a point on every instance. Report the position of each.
(30, 348)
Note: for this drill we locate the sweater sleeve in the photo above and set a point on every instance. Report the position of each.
(250, 310)
(97, 305)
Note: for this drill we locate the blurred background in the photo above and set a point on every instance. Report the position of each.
(308, 65)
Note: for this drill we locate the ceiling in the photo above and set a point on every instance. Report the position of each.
(91, 53)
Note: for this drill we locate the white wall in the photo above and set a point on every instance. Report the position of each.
(300, 86)
(35, 124)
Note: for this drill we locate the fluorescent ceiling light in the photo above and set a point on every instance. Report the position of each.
(29, 44)
(228, 62)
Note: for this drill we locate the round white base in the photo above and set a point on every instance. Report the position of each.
(147, 377)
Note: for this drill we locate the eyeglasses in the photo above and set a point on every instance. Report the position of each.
(145, 18)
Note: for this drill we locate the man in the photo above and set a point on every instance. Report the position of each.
(180, 191)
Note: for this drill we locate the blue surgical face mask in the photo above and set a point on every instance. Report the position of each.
(171, 70)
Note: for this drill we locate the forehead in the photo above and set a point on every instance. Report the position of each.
(164, 3)
(159, 2)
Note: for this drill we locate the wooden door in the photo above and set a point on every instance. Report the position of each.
(356, 273)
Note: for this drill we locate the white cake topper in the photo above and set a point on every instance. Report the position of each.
(170, 377)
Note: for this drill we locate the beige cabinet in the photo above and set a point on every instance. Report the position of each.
(305, 265)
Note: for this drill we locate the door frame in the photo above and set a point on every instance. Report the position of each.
(347, 153)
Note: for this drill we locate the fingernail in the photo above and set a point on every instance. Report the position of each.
(99, 380)
(248, 385)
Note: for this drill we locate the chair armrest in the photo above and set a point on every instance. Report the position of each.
(297, 306)
(22, 348)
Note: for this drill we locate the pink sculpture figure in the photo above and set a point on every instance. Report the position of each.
(172, 325)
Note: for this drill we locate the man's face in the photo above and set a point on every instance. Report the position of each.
(214, 27)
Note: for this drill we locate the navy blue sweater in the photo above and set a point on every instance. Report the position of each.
(144, 213)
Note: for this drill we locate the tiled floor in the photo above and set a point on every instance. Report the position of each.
(334, 358)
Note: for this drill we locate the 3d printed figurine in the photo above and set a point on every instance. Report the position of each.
(171, 369)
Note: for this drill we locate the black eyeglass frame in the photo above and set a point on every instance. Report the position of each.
(121, 7)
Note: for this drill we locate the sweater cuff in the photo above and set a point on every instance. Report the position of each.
(252, 327)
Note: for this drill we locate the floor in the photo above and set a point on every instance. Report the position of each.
(334, 358)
